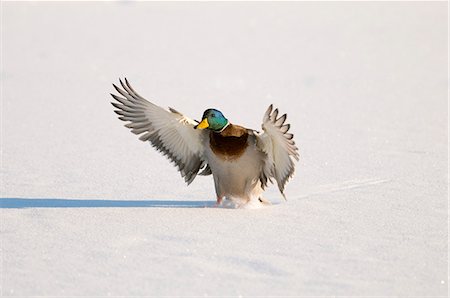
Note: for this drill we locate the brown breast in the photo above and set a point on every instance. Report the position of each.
(230, 143)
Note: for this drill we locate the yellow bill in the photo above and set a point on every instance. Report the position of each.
(202, 125)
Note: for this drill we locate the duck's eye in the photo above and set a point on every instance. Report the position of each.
(213, 115)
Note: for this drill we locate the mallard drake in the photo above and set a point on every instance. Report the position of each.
(242, 161)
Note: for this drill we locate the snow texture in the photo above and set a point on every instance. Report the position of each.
(88, 209)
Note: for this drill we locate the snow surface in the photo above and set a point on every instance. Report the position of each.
(87, 209)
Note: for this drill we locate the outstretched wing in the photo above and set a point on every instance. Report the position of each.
(278, 145)
(168, 131)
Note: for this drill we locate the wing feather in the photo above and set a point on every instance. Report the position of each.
(279, 147)
(170, 132)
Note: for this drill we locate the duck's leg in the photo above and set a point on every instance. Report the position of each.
(219, 201)
(219, 193)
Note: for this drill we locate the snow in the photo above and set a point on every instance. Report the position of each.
(88, 209)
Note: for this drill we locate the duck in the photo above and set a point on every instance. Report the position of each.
(242, 161)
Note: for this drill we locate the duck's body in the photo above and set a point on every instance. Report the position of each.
(235, 164)
(241, 160)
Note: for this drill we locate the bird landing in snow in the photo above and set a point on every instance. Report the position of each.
(241, 160)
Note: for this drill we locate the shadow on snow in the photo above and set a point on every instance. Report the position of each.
(85, 203)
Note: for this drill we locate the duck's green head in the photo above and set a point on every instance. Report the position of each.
(212, 119)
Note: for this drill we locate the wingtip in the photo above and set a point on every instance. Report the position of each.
(267, 114)
(121, 83)
(115, 87)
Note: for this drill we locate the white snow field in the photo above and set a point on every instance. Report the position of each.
(89, 210)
